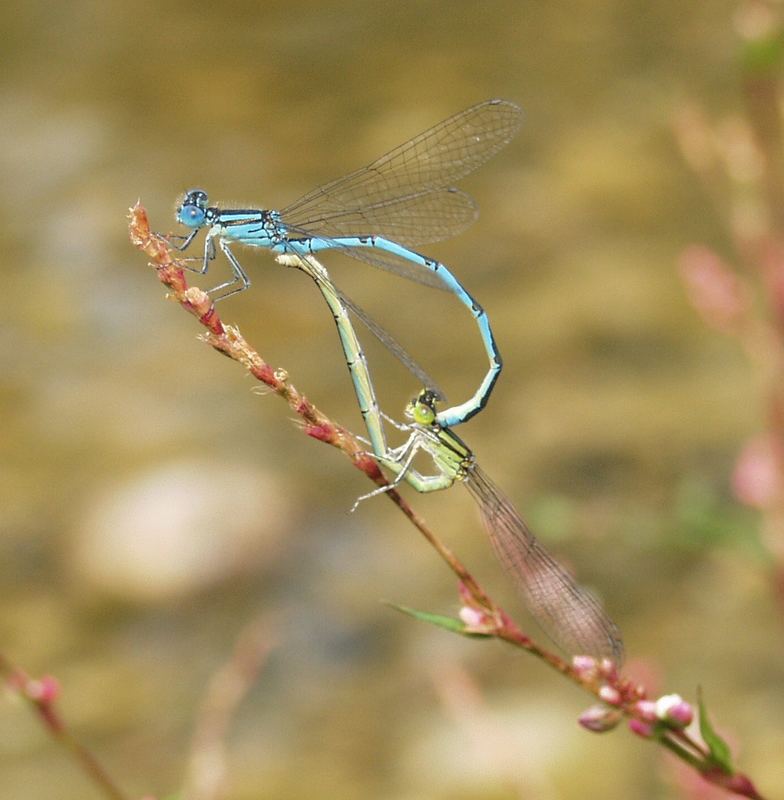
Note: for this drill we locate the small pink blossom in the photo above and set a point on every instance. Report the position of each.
(681, 714)
(610, 695)
(472, 617)
(45, 690)
(476, 620)
(673, 708)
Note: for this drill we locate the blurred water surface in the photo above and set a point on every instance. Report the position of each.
(614, 426)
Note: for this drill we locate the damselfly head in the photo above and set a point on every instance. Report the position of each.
(192, 212)
(422, 409)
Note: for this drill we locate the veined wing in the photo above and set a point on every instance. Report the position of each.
(570, 615)
(430, 216)
(429, 163)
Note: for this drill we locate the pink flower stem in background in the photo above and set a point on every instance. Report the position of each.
(740, 162)
(480, 616)
(207, 773)
(41, 694)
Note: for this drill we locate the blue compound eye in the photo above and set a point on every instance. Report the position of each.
(191, 215)
(193, 209)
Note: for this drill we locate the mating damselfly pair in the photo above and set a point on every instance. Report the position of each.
(378, 214)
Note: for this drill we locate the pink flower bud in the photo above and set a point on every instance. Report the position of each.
(471, 617)
(644, 729)
(610, 695)
(674, 709)
(476, 620)
(599, 719)
(45, 690)
(681, 714)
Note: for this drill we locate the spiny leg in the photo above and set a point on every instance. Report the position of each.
(239, 283)
(406, 455)
(204, 260)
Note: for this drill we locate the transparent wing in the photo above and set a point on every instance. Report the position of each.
(389, 342)
(414, 219)
(570, 615)
(393, 188)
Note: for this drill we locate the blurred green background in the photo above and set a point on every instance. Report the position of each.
(153, 506)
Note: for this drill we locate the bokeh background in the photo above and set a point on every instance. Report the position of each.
(154, 509)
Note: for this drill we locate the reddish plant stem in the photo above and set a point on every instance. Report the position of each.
(43, 704)
(227, 340)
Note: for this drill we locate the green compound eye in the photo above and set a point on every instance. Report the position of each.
(422, 409)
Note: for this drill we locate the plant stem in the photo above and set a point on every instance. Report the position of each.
(227, 340)
(24, 686)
